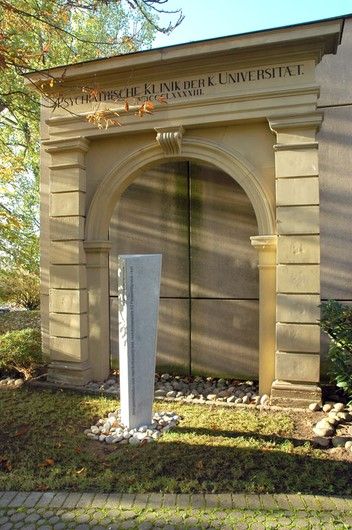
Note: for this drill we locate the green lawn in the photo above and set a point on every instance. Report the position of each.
(15, 320)
(214, 449)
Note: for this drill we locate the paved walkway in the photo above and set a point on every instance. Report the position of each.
(88, 511)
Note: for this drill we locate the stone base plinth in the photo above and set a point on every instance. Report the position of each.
(286, 394)
(78, 374)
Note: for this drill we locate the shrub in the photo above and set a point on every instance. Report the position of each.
(20, 287)
(336, 321)
(21, 351)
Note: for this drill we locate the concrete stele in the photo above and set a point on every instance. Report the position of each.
(139, 289)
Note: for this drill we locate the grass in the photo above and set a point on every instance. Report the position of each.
(214, 449)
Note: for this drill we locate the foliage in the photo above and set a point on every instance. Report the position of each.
(21, 351)
(16, 320)
(37, 35)
(336, 321)
(20, 287)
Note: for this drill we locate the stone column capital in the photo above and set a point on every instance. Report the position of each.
(76, 143)
(266, 246)
(295, 121)
(264, 242)
(97, 246)
(97, 254)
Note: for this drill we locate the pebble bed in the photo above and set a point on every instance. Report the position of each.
(111, 431)
(336, 428)
(195, 389)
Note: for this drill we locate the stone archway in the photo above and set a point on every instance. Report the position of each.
(171, 147)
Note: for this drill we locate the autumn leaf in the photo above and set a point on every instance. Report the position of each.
(23, 429)
(126, 106)
(161, 99)
(47, 463)
(42, 487)
(200, 465)
(5, 465)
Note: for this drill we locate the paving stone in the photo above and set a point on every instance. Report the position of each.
(211, 501)
(82, 518)
(6, 498)
(169, 500)
(113, 500)
(68, 516)
(72, 499)
(155, 500)
(82, 527)
(239, 500)
(18, 516)
(7, 526)
(59, 499)
(47, 514)
(198, 501)
(183, 500)
(32, 518)
(127, 500)
(3, 520)
(225, 500)
(141, 500)
(45, 499)
(19, 499)
(32, 499)
(54, 519)
(97, 527)
(296, 501)
(127, 524)
(268, 502)
(341, 504)
(86, 500)
(145, 526)
(45, 527)
(59, 526)
(105, 522)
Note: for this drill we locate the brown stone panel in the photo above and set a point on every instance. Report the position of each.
(173, 335)
(152, 217)
(333, 73)
(223, 261)
(225, 337)
(335, 163)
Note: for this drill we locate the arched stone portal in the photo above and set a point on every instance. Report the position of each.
(246, 104)
(97, 245)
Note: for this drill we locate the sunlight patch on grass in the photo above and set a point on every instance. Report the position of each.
(213, 449)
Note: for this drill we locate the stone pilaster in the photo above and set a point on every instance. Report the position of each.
(99, 311)
(68, 319)
(266, 246)
(297, 363)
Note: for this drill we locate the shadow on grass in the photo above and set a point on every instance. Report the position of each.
(42, 439)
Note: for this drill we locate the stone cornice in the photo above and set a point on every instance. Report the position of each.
(321, 37)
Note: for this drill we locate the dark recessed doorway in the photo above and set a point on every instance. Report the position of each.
(201, 221)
